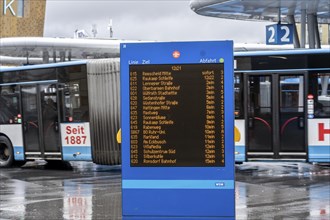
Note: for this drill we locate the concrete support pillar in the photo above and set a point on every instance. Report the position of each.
(303, 29)
(317, 33)
(62, 56)
(311, 29)
(292, 20)
(45, 56)
(27, 57)
(54, 56)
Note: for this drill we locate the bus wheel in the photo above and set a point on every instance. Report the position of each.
(6, 153)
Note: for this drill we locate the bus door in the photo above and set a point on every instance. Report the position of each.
(292, 129)
(40, 120)
(275, 117)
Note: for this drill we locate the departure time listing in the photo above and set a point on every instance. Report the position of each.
(177, 115)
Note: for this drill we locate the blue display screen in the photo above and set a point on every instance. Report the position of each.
(177, 119)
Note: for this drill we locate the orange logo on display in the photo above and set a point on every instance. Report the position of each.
(237, 135)
(176, 54)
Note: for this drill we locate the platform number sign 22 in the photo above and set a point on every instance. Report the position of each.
(278, 34)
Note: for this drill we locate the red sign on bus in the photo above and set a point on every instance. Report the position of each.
(75, 134)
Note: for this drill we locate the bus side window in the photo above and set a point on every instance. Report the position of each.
(9, 102)
(76, 106)
(320, 88)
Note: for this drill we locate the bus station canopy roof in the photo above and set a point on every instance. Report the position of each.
(77, 48)
(267, 10)
(35, 50)
(17, 50)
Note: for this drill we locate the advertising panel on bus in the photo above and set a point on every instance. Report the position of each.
(76, 143)
(239, 136)
(319, 140)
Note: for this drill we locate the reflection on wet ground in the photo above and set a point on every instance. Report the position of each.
(83, 190)
(282, 191)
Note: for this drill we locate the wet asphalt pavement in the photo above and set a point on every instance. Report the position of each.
(88, 191)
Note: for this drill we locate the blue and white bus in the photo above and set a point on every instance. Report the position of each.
(282, 105)
(70, 111)
(59, 111)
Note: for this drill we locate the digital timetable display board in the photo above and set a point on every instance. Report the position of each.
(177, 125)
(177, 115)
